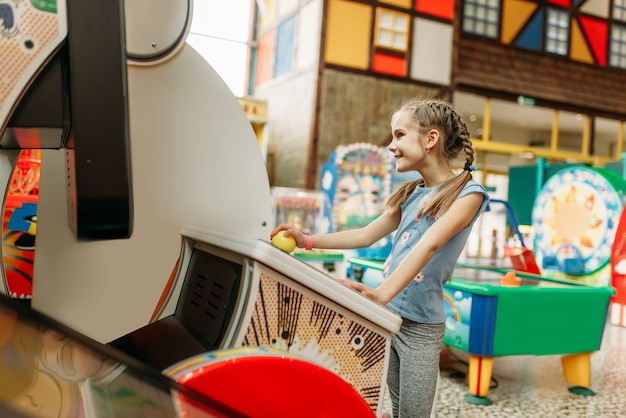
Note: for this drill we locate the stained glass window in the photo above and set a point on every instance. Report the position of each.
(619, 10)
(392, 29)
(557, 33)
(481, 17)
(617, 56)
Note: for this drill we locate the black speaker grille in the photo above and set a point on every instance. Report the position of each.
(208, 297)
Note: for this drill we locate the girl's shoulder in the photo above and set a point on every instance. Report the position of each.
(473, 186)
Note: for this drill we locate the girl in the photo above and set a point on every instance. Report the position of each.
(432, 217)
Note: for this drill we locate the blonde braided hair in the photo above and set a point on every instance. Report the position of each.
(439, 115)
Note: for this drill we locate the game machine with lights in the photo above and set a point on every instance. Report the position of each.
(167, 265)
(310, 212)
(357, 179)
(575, 218)
(617, 315)
(617, 312)
(19, 226)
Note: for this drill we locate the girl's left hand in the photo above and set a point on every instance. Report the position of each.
(364, 290)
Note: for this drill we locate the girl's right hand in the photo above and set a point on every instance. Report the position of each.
(290, 231)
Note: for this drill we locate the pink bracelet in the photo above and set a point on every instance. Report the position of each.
(309, 243)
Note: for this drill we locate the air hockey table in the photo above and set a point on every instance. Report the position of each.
(531, 315)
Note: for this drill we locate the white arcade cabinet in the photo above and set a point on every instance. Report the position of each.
(197, 264)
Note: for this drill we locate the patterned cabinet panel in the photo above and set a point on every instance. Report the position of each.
(288, 316)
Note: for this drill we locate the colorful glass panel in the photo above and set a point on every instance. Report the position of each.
(265, 63)
(285, 46)
(619, 10)
(481, 17)
(596, 32)
(579, 50)
(392, 29)
(598, 8)
(398, 3)
(557, 34)
(515, 14)
(439, 8)
(564, 3)
(348, 39)
(388, 64)
(531, 35)
(618, 47)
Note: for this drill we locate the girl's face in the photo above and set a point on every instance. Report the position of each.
(407, 145)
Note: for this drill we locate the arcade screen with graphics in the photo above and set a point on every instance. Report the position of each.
(47, 369)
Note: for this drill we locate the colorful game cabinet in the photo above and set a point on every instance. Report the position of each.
(310, 212)
(307, 210)
(617, 315)
(19, 226)
(357, 179)
(234, 292)
(575, 219)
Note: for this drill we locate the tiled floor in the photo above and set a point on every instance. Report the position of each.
(534, 386)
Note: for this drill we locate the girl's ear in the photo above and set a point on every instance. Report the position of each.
(432, 137)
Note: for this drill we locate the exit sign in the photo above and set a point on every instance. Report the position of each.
(525, 101)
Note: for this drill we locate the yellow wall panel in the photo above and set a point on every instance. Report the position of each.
(579, 50)
(515, 13)
(598, 8)
(400, 3)
(267, 9)
(348, 34)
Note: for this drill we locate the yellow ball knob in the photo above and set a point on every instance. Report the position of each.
(287, 244)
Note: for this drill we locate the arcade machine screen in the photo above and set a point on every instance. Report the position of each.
(48, 369)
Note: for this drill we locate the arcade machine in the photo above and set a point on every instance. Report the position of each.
(310, 212)
(357, 180)
(19, 226)
(575, 218)
(170, 251)
(617, 315)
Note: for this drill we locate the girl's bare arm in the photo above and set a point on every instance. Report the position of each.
(457, 217)
(349, 239)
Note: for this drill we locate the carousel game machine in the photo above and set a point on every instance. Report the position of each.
(310, 212)
(495, 312)
(356, 180)
(128, 261)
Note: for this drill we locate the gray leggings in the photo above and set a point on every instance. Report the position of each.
(414, 368)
